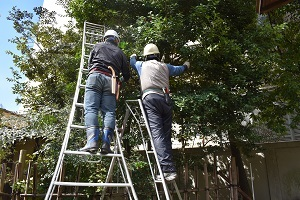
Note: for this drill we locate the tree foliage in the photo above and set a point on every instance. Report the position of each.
(245, 67)
(48, 58)
(236, 59)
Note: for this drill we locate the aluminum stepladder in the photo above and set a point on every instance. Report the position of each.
(92, 34)
(135, 107)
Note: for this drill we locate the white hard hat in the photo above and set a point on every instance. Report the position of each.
(150, 49)
(111, 33)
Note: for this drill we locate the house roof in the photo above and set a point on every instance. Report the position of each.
(264, 6)
(7, 113)
(11, 119)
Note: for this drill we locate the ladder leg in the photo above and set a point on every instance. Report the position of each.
(56, 172)
(177, 190)
(112, 164)
(109, 176)
(122, 172)
(126, 168)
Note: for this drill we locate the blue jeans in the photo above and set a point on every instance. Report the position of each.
(98, 97)
(159, 115)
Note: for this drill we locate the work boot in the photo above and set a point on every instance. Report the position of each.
(169, 176)
(106, 139)
(92, 144)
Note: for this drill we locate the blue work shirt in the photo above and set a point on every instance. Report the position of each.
(173, 70)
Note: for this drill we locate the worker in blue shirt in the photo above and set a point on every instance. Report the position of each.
(154, 78)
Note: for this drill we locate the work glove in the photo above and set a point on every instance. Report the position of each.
(133, 55)
(187, 65)
(121, 79)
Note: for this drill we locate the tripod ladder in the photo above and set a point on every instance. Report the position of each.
(92, 34)
(135, 107)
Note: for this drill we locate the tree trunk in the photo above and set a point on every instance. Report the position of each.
(243, 181)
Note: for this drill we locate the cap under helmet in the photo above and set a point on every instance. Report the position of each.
(111, 33)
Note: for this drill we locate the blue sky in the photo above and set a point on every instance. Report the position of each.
(7, 98)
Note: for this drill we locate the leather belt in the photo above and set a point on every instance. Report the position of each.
(100, 71)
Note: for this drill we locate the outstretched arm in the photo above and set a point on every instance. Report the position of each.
(177, 70)
(136, 65)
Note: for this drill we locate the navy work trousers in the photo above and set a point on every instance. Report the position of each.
(159, 115)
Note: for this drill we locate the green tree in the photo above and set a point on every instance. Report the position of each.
(49, 59)
(237, 57)
(285, 74)
(240, 63)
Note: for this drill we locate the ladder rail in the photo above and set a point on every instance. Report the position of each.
(177, 190)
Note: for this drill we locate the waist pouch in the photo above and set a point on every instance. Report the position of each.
(167, 96)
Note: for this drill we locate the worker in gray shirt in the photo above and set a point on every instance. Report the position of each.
(154, 77)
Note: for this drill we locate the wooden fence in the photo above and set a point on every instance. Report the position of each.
(204, 182)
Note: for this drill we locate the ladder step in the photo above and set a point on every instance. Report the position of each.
(132, 100)
(95, 34)
(79, 105)
(89, 44)
(150, 151)
(92, 184)
(77, 126)
(91, 154)
(85, 70)
(82, 86)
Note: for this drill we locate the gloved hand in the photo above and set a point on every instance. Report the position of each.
(187, 64)
(133, 55)
(121, 79)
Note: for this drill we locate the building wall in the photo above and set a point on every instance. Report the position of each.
(273, 172)
(284, 170)
(276, 171)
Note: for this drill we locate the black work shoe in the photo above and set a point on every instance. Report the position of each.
(92, 150)
(105, 149)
